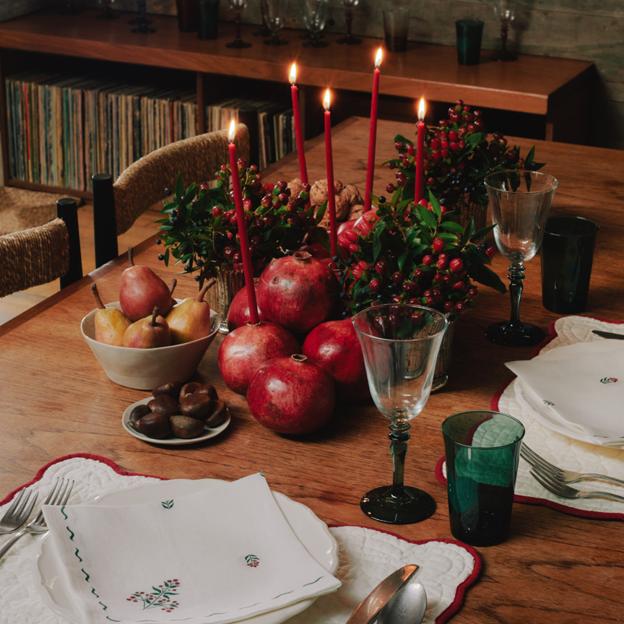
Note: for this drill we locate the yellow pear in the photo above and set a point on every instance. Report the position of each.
(190, 319)
(110, 323)
(146, 333)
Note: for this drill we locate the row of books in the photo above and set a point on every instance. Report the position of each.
(63, 129)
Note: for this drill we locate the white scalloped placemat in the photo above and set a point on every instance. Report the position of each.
(560, 450)
(367, 556)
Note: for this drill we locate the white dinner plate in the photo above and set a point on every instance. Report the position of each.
(312, 532)
(209, 432)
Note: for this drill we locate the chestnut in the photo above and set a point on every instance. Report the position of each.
(154, 426)
(196, 387)
(137, 413)
(165, 405)
(171, 389)
(197, 405)
(218, 416)
(186, 427)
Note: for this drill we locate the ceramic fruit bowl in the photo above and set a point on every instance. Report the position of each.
(144, 369)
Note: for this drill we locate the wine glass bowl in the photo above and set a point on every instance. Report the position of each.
(349, 38)
(238, 6)
(274, 20)
(400, 345)
(315, 13)
(520, 202)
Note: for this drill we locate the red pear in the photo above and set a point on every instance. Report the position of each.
(141, 290)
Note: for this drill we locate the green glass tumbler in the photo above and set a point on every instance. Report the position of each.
(482, 454)
(469, 34)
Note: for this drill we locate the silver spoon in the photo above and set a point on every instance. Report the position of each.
(367, 610)
(408, 604)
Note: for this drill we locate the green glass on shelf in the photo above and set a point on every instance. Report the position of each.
(482, 454)
(469, 33)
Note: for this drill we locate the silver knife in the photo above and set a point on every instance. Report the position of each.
(606, 334)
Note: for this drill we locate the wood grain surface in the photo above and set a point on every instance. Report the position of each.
(430, 70)
(554, 568)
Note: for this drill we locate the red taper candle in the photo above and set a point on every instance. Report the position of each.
(372, 137)
(242, 227)
(329, 167)
(419, 189)
(294, 94)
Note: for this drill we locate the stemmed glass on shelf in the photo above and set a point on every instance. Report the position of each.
(506, 13)
(315, 14)
(520, 201)
(400, 344)
(349, 38)
(238, 6)
(275, 14)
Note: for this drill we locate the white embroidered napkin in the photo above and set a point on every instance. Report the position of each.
(582, 384)
(220, 557)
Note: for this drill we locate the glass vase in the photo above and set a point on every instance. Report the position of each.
(228, 283)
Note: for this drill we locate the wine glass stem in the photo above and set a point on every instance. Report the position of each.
(516, 278)
(349, 20)
(237, 21)
(399, 435)
(504, 34)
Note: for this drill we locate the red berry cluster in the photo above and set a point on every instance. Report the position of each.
(459, 154)
(409, 257)
(200, 228)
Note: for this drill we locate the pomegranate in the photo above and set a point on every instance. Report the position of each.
(334, 347)
(297, 292)
(244, 350)
(291, 395)
(238, 312)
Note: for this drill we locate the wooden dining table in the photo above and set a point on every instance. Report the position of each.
(56, 400)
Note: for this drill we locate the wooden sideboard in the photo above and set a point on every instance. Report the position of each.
(556, 90)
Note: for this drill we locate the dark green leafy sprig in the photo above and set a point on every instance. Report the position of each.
(199, 228)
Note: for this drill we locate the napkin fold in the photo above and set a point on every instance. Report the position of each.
(580, 386)
(214, 557)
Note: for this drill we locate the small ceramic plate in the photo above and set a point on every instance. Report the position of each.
(209, 432)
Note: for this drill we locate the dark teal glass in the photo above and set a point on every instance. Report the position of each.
(482, 454)
(469, 34)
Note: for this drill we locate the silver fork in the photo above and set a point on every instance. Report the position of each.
(565, 476)
(565, 491)
(59, 495)
(18, 512)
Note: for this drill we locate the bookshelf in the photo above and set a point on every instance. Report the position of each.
(551, 94)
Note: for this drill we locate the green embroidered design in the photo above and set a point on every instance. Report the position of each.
(608, 380)
(253, 561)
(159, 597)
(168, 504)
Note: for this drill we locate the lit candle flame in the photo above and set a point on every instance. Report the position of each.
(378, 57)
(232, 131)
(327, 99)
(422, 107)
(292, 74)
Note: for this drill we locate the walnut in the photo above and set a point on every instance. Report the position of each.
(295, 186)
(318, 192)
(356, 211)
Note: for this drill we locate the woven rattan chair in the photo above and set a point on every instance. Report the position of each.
(40, 254)
(147, 181)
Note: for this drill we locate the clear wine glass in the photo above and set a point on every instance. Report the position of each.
(520, 202)
(506, 13)
(263, 31)
(238, 6)
(400, 344)
(315, 19)
(142, 23)
(350, 38)
(276, 12)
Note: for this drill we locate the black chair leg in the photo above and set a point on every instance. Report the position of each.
(104, 221)
(66, 209)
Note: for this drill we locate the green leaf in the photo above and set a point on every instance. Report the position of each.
(377, 245)
(399, 138)
(179, 189)
(447, 236)
(452, 226)
(435, 204)
(482, 233)
(402, 259)
(320, 213)
(473, 139)
(427, 217)
(485, 276)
